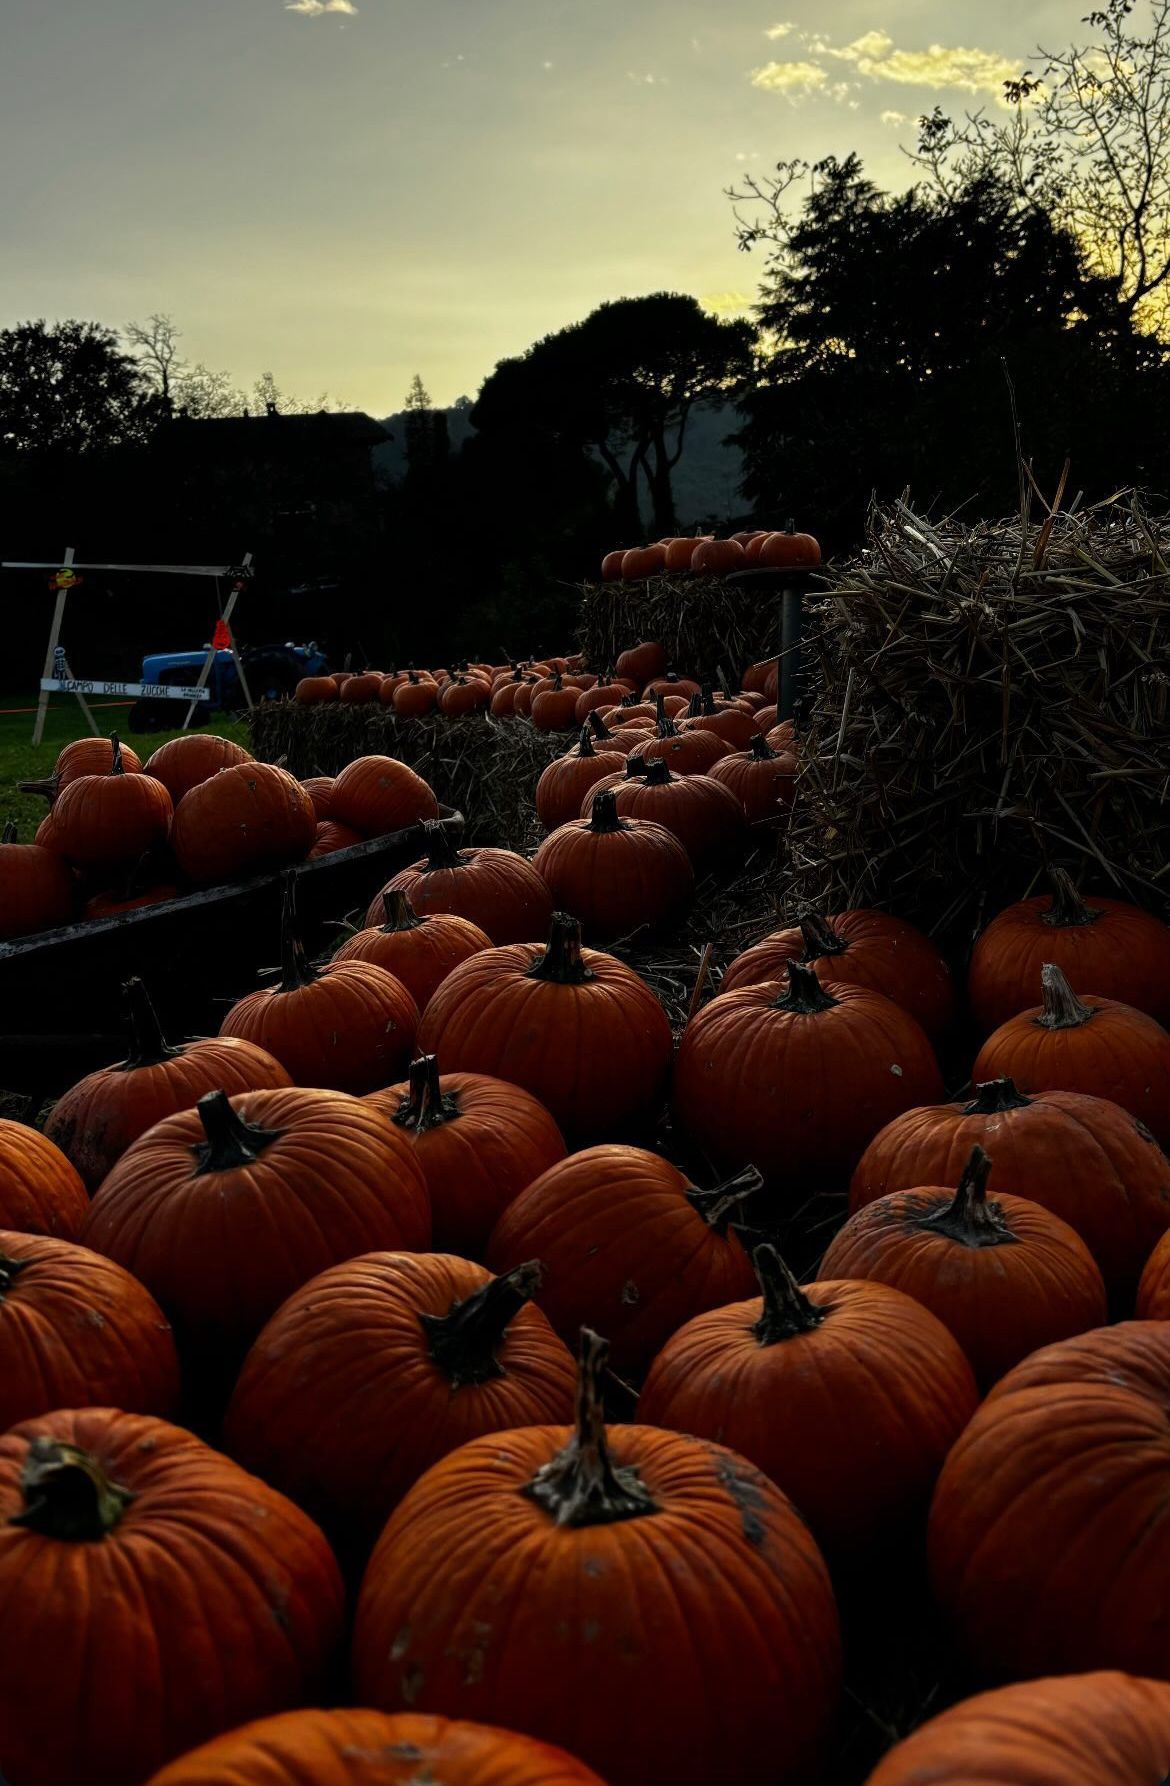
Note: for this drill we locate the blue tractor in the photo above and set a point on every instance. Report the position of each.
(272, 672)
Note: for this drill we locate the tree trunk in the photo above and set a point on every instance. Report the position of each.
(661, 489)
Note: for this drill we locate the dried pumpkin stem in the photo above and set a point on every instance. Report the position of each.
(10, 1270)
(10, 833)
(117, 766)
(604, 817)
(597, 725)
(585, 744)
(656, 771)
(231, 1139)
(148, 1045)
(441, 851)
(995, 1096)
(67, 1495)
(397, 912)
(805, 995)
(969, 1218)
(722, 1201)
(761, 750)
(295, 968)
(562, 962)
(1062, 1009)
(426, 1105)
(1067, 909)
(464, 1342)
(581, 1485)
(787, 1311)
(820, 939)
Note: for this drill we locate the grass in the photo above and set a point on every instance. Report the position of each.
(22, 760)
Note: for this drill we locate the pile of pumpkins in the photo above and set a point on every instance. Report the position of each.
(702, 555)
(121, 834)
(315, 1335)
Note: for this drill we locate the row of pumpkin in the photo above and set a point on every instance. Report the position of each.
(703, 555)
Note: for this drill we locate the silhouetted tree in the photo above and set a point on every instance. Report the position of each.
(891, 319)
(68, 388)
(623, 383)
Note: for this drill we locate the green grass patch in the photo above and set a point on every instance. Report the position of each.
(22, 760)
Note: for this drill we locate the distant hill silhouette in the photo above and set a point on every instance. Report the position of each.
(706, 478)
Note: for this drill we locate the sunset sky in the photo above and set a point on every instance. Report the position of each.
(348, 191)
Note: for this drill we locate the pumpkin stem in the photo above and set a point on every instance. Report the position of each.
(665, 726)
(117, 766)
(656, 771)
(581, 1485)
(67, 1494)
(969, 1218)
(597, 725)
(562, 962)
(464, 1341)
(995, 1096)
(441, 851)
(148, 1044)
(397, 912)
(604, 817)
(633, 699)
(585, 744)
(636, 767)
(707, 699)
(426, 1105)
(231, 1139)
(295, 968)
(786, 1309)
(820, 939)
(720, 1203)
(10, 1270)
(805, 995)
(761, 750)
(1062, 1008)
(10, 833)
(695, 706)
(1067, 908)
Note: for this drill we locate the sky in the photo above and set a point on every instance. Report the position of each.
(346, 192)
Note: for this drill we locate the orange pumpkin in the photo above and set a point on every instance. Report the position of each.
(101, 820)
(41, 1191)
(376, 795)
(643, 561)
(419, 951)
(194, 757)
(789, 551)
(36, 888)
(717, 558)
(246, 819)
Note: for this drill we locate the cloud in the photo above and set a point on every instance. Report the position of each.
(872, 45)
(775, 32)
(791, 78)
(726, 303)
(647, 80)
(895, 118)
(312, 9)
(970, 71)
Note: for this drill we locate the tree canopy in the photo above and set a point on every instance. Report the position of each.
(69, 388)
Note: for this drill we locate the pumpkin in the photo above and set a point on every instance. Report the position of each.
(670, 683)
(319, 788)
(1048, 1538)
(710, 1598)
(859, 948)
(626, 1240)
(604, 693)
(332, 837)
(311, 689)
(643, 561)
(1103, 1729)
(717, 558)
(1004, 1276)
(1087, 1044)
(640, 663)
(377, 795)
(575, 1027)
(503, 701)
(36, 887)
(93, 756)
(1102, 946)
(358, 1748)
(178, 1594)
(1153, 1295)
(763, 780)
(680, 554)
(224, 1210)
(464, 694)
(408, 1356)
(615, 874)
(41, 1191)
(847, 1394)
(611, 566)
(705, 817)
(756, 675)
(419, 952)
(107, 905)
(725, 720)
(101, 820)
(97, 1119)
(479, 1141)
(192, 758)
(554, 709)
(245, 820)
(797, 1079)
(789, 551)
(565, 782)
(496, 889)
(366, 687)
(78, 1331)
(416, 696)
(349, 1026)
(1083, 1158)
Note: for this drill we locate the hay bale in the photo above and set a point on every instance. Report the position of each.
(704, 624)
(487, 768)
(986, 701)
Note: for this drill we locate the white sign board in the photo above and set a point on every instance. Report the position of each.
(136, 691)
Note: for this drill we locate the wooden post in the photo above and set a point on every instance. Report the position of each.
(51, 658)
(790, 652)
(229, 609)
